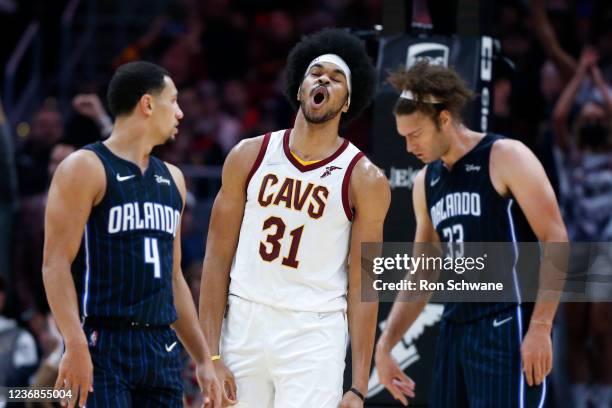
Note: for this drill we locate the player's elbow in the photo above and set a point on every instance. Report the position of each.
(216, 267)
(556, 233)
(52, 268)
(561, 235)
(177, 277)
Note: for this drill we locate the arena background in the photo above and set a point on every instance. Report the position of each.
(226, 57)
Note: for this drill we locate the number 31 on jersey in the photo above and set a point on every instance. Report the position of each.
(271, 248)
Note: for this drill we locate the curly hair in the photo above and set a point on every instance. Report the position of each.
(424, 79)
(350, 49)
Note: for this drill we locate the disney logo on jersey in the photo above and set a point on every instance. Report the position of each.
(405, 351)
(162, 180)
(293, 195)
(328, 171)
(471, 167)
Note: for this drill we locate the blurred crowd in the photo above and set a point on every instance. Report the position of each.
(226, 57)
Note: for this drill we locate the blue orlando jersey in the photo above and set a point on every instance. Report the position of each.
(128, 243)
(465, 207)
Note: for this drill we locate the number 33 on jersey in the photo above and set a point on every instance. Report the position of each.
(294, 240)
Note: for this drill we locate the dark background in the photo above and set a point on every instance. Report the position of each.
(226, 57)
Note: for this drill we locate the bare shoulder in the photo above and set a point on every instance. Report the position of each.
(368, 181)
(81, 172)
(174, 170)
(82, 164)
(240, 160)
(507, 151)
(418, 192)
(82, 159)
(367, 175)
(419, 179)
(512, 164)
(245, 152)
(512, 157)
(178, 177)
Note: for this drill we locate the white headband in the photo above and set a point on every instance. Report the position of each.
(339, 62)
(406, 94)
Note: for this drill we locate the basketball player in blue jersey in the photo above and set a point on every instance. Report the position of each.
(122, 312)
(286, 227)
(488, 354)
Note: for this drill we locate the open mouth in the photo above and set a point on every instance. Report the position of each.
(319, 95)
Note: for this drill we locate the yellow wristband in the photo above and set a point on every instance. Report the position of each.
(215, 357)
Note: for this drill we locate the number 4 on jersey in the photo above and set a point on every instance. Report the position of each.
(151, 251)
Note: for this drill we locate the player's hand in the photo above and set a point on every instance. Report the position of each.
(392, 376)
(350, 400)
(209, 385)
(75, 373)
(536, 353)
(227, 382)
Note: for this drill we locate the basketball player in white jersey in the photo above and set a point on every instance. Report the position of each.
(286, 227)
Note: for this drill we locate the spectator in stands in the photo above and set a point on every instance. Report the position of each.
(192, 239)
(8, 194)
(47, 128)
(46, 374)
(90, 106)
(586, 196)
(18, 357)
(215, 125)
(28, 241)
(274, 38)
(235, 102)
(225, 40)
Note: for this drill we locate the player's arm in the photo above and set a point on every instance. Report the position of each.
(78, 185)
(404, 313)
(186, 326)
(515, 168)
(221, 243)
(222, 240)
(367, 181)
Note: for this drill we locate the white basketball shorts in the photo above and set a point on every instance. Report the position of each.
(283, 358)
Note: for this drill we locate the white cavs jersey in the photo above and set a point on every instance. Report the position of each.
(295, 234)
